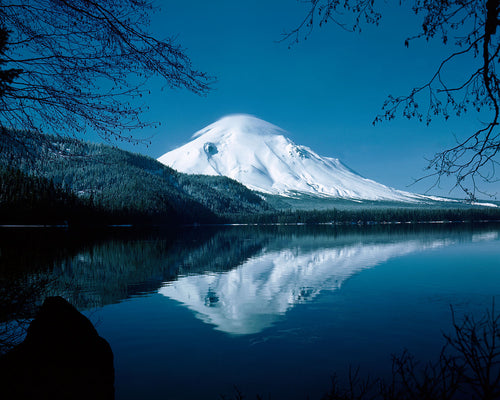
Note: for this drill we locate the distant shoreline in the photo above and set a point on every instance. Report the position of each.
(229, 224)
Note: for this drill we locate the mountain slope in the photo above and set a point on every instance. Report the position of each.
(259, 155)
(125, 183)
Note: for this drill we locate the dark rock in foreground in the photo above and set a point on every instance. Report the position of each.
(62, 357)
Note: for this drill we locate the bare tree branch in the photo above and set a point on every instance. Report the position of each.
(469, 27)
(78, 64)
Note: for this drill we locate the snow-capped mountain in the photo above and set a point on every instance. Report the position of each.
(261, 156)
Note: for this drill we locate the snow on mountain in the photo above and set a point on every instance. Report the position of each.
(260, 156)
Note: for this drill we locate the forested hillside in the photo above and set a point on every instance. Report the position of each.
(37, 200)
(130, 187)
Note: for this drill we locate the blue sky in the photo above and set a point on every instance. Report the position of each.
(325, 91)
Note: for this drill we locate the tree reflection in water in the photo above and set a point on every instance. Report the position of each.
(285, 265)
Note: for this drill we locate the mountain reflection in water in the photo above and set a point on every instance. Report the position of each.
(256, 293)
(178, 306)
(239, 279)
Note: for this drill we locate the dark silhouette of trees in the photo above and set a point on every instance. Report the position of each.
(75, 65)
(469, 29)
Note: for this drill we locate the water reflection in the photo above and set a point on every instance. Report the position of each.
(250, 297)
(307, 290)
(239, 279)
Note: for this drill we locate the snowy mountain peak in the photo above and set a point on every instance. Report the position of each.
(261, 156)
(239, 124)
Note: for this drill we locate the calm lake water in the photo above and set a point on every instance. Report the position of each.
(272, 310)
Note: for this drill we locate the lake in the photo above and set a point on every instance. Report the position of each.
(271, 310)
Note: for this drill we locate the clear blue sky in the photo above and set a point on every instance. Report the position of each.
(325, 91)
